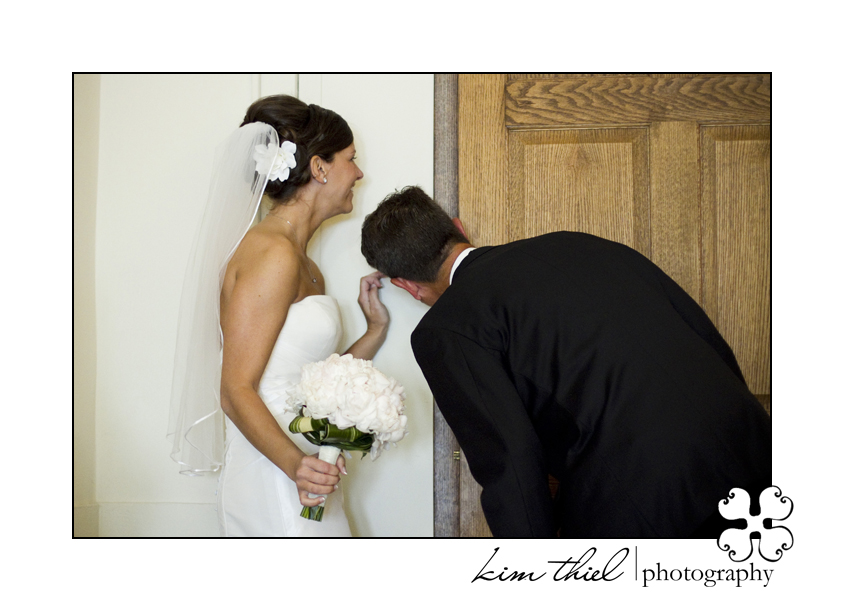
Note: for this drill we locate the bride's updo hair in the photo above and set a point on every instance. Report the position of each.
(314, 131)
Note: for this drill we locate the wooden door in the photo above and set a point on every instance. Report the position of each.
(676, 166)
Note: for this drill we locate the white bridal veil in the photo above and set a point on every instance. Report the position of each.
(196, 420)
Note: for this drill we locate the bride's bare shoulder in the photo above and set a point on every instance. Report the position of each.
(262, 250)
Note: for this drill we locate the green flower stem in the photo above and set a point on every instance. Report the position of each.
(313, 513)
(321, 432)
(301, 424)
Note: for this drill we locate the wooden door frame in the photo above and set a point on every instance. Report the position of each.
(446, 468)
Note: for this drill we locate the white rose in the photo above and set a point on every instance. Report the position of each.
(352, 392)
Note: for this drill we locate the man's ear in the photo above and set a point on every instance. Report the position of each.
(459, 226)
(408, 285)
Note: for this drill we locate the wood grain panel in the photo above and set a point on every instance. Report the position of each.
(637, 100)
(736, 228)
(482, 144)
(531, 77)
(675, 202)
(482, 158)
(524, 77)
(593, 181)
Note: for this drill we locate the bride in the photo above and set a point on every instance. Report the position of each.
(254, 310)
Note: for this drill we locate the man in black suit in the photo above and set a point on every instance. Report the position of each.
(572, 355)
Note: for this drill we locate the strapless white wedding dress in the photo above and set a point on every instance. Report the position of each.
(255, 498)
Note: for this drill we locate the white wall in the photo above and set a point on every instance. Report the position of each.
(157, 135)
(392, 118)
(86, 108)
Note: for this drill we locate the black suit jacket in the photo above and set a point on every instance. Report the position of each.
(576, 356)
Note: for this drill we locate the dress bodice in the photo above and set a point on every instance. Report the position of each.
(255, 497)
(310, 333)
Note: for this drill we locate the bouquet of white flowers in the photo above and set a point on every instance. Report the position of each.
(344, 403)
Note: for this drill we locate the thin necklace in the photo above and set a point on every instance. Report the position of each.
(307, 263)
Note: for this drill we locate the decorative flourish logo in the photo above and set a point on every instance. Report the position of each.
(773, 540)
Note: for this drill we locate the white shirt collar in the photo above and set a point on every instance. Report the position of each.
(458, 261)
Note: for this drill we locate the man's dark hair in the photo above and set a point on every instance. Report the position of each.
(409, 236)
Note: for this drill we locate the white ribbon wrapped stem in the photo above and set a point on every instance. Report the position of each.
(329, 454)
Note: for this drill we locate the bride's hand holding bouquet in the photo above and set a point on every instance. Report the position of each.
(344, 403)
(315, 478)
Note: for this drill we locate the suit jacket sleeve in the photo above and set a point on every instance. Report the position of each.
(484, 410)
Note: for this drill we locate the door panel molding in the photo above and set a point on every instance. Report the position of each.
(638, 100)
(603, 173)
(736, 230)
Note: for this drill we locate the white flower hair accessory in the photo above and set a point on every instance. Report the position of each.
(276, 167)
